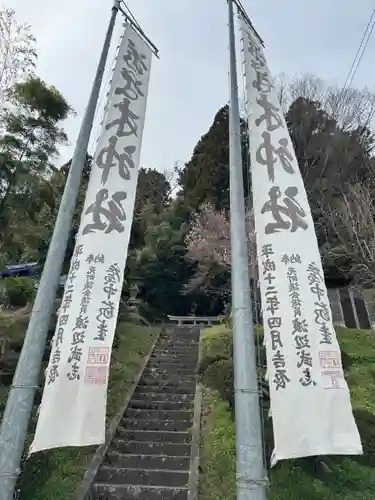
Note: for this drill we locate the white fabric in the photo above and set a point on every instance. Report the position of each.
(73, 411)
(316, 418)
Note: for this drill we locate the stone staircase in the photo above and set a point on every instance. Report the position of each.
(149, 458)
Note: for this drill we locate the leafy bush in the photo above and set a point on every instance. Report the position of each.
(218, 374)
(151, 313)
(20, 291)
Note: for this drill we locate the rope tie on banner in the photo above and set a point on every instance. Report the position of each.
(21, 386)
(248, 483)
(250, 391)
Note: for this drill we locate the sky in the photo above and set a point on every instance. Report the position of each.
(190, 81)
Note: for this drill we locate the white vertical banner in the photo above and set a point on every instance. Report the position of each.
(310, 401)
(73, 408)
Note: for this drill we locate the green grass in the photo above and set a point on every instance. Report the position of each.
(351, 478)
(54, 475)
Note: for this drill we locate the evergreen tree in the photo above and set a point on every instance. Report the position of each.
(28, 150)
(205, 178)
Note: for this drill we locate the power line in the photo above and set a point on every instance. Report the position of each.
(354, 66)
(357, 59)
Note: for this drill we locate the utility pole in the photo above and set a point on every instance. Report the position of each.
(250, 469)
(17, 413)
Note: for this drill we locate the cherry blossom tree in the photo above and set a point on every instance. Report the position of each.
(208, 245)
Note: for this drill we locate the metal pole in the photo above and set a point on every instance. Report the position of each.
(249, 464)
(16, 416)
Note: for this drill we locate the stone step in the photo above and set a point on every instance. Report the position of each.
(163, 359)
(171, 366)
(153, 436)
(117, 475)
(177, 345)
(189, 350)
(177, 415)
(190, 389)
(182, 330)
(181, 343)
(179, 348)
(142, 404)
(182, 372)
(182, 333)
(186, 386)
(176, 350)
(155, 425)
(163, 396)
(176, 342)
(147, 462)
(187, 334)
(143, 448)
(172, 362)
(183, 353)
(138, 492)
(171, 376)
(175, 358)
(167, 372)
(190, 362)
(162, 378)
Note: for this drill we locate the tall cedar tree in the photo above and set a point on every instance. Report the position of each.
(153, 196)
(205, 178)
(331, 160)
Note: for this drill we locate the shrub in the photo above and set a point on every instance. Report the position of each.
(151, 313)
(20, 291)
(217, 373)
(3, 293)
(216, 364)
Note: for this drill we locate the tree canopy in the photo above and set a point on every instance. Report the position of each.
(179, 252)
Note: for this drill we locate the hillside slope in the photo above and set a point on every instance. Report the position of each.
(350, 478)
(55, 474)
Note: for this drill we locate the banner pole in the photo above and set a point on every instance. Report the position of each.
(15, 421)
(250, 472)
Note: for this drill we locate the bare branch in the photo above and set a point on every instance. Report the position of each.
(353, 222)
(172, 177)
(352, 108)
(17, 51)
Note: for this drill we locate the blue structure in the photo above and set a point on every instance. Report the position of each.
(27, 269)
